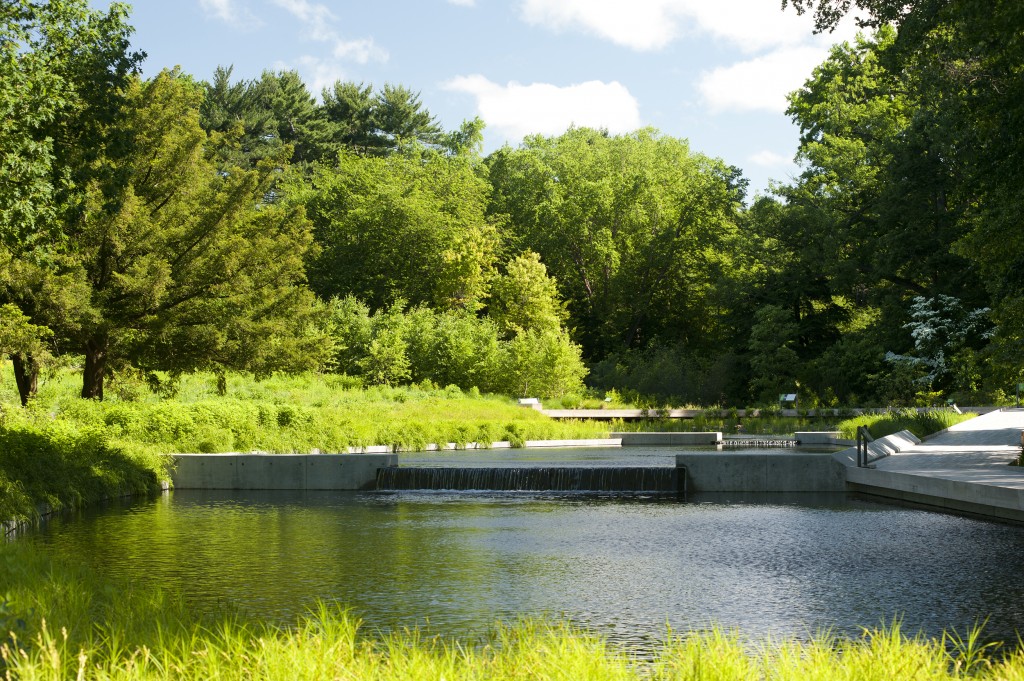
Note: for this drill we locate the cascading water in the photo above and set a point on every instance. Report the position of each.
(662, 479)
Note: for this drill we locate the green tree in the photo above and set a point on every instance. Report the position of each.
(349, 110)
(63, 69)
(25, 343)
(186, 264)
(773, 360)
(407, 226)
(636, 230)
(296, 120)
(541, 364)
(526, 298)
(958, 63)
(401, 118)
(248, 130)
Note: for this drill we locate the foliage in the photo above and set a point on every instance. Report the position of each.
(186, 264)
(66, 466)
(68, 622)
(940, 328)
(525, 298)
(408, 226)
(452, 347)
(284, 414)
(636, 230)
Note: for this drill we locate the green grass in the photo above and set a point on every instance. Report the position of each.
(66, 452)
(286, 414)
(893, 421)
(68, 623)
(731, 425)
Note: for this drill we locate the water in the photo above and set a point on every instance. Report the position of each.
(625, 567)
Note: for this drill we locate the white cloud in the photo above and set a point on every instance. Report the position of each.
(761, 83)
(516, 110)
(751, 25)
(766, 158)
(230, 13)
(317, 73)
(360, 51)
(783, 42)
(319, 21)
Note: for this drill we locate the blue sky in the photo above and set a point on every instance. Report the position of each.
(712, 71)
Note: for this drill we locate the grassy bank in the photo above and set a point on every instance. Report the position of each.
(291, 414)
(918, 423)
(66, 622)
(65, 451)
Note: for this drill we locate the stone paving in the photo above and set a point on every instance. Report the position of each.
(964, 470)
(975, 451)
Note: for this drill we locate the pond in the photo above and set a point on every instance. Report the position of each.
(625, 567)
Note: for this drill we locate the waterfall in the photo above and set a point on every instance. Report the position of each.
(663, 479)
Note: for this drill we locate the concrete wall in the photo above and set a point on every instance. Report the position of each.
(991, 501)
(821, 437)
(774, 471)
(279, 471)
(631, 439)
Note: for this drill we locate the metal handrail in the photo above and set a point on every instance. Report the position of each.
(863, 439)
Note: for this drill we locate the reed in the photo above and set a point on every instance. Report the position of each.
(892, 421)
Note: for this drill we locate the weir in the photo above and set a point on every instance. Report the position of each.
(759, 443)
(624, 479)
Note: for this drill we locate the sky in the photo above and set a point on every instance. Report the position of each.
(715, 72)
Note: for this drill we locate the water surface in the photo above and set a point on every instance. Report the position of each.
(626, 567)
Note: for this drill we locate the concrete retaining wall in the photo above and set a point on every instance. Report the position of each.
(990, 501)
(279, 471)
(775, 471)
(669, 439)
(821, 437)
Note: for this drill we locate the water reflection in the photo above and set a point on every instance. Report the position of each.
(793, 564)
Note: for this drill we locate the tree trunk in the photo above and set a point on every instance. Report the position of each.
(26, 375)
(95, 366)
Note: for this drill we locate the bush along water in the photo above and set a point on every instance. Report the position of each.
(62, 466)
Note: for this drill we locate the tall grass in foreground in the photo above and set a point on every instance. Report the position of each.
(893, 421)
(67, 623)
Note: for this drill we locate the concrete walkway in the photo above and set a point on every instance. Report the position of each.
(963, 469)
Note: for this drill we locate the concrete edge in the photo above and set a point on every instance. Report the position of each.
(956, 496)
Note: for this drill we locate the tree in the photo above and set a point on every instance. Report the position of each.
(296, 118)
(773, 361)
(635, 229)
(406, 226)
(25, 343)
(942, 329)
(401, 119)
(248, 130)
(184, 260)
(64, 68)
(958, 63)
(349, 109)
(526, 298)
